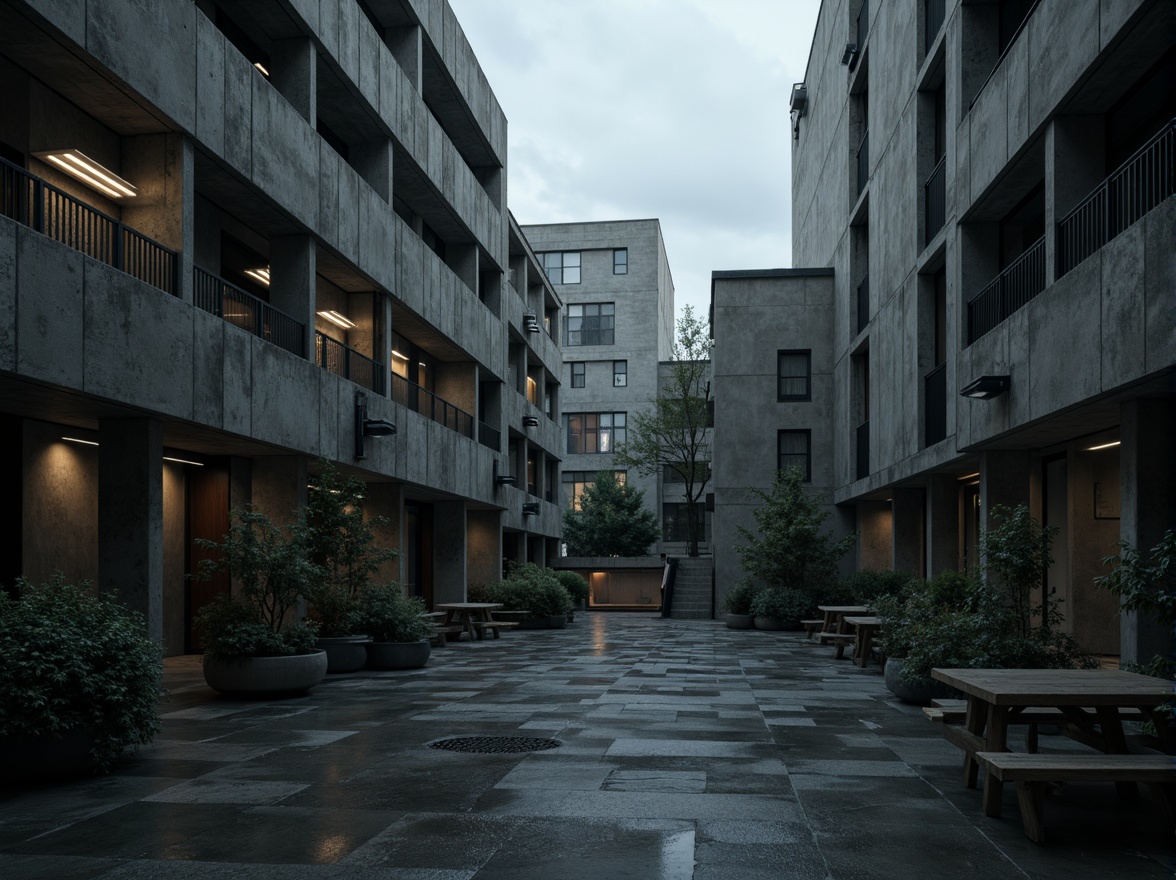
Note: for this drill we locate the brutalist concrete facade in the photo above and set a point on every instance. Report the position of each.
(357, 155)
(991, 186)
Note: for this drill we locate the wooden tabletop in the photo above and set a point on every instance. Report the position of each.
(466, 606)
(845, 609)
(1058, 687)
(864, 621)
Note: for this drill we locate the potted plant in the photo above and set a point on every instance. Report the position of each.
(400, 635)
(79, 681)
(252, 644)
(779, 608)
(737, 604)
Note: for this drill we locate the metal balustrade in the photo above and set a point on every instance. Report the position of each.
(863, 304)
(935, 406)
(345, 361)
(1022, 280)
(44, 208)
(421, 400)
(489, 437)
(934, 13)
(1136, 187)
(863, 450)
(244, 310)
(935, 201)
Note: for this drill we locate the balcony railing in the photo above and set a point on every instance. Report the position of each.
(863, 23)
(1138, 186)
(934, 13)
(863, 450)
(1008, 292)
(345, 361)
(935, 406)
(44, 208)
(863, 162)
(935, 201)
(863, 304)
(489, 437)
(428, 404)
(244, 310)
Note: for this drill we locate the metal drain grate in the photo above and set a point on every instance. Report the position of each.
(495, 745)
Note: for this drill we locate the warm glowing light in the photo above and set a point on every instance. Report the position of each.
(183, 461)
(80, 440)
(261, 275)
(93, 174)
(398, 355)
(261, 67)
(1103, 446)
(968, 476)
(339, 320)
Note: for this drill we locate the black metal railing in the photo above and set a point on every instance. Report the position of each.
(345, 361)
(934, 13)
(863, 304)
(1022, 280)
(244, 310)
(863, 23)
(935, 201)
(429, 405)
(935, 406)
(1135, 188)
(44, 208)
(489, 437)
(863, 450)
(863, 162)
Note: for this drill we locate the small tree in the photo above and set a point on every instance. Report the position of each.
(1146, 587)
(612, 521)
(1016, 557)
(792, 549)
(675, 434)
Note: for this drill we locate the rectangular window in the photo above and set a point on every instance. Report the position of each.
(675, 526)
(577, 374)
(594, 432)
(575, 482)
(590, 324)
(794, 375)
(620, 374)
(621, 261)
(562, 267)
(792, 450)
(673, 474)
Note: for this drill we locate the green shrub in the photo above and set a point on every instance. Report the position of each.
(231, 630)
(864, 587)
(387, 615)
(576, 586)
(787, 605)
(72, 660)
(739, 599)
(535, 590)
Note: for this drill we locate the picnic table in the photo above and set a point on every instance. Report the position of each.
(865, 628)
(473, 617)
(1089, 700)
(835, 629)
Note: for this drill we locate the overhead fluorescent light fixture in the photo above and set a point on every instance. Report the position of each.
(93, 174)
(339, 320)
(398, 355)
(968, 476)
(1103, 446)
(986, 387)
(261, 276)
(80, 440)
(261, 67)
(183, 461)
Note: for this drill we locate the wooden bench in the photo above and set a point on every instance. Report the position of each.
(493, 625)
(955, 712)
(841, 640)
(811, 626)
(441, 632)
(1031, 773)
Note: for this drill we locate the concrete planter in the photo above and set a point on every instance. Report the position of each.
(276, 676)
(740, 621)
(769, 623)
(920, 693)
(344, 653)
(46, 758)
(557, 621)
(398, 655)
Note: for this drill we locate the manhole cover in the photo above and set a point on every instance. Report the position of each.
(495, 745)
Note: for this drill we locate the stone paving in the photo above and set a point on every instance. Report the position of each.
(688, 750)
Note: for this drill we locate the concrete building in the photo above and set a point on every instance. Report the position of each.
(314, 246)
(984, 192)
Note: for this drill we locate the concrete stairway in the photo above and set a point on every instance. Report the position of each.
(692, 589)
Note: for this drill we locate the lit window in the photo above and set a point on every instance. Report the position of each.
(620, 374)
(575, 482)
(621, 261)
(594, 432)
(590, 324)
(562, 267)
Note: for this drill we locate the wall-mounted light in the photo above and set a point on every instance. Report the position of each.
(986, 387)
(530, 421)
(502, 479)
(365, 427)
(849, 56)
(799, 100)
(530, 323)
(261, 67)
(261, 276)
(93, 174)
(1103, 446)
(531, 508)
(339, 320)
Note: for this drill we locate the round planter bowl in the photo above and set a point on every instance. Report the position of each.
(540, 623)
(769, 623)
(917, 694)
(344, 653)
(557, 621)
(46, 758)
(279, 676)
(740, 621)
(398, 655)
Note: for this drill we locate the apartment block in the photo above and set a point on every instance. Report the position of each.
(237, 238)
(983, 196)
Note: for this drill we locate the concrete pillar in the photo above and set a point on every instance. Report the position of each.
(1148, 507)
(942, 524)
(294, 75)
(874, 531)
(449, 551)
(387, 500)
(161, 166)
(1075, 148)
(406, 47)
(906, 533)
(373, 161)
(293, 261)
(279, 486)
(483, 546)
(1004, 479)
(130, 516)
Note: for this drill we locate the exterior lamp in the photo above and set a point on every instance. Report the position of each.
(365, 427)
(339, 320)
(93, 174)
(502, 479)
(530, 421)
(261, 276)
(531, 508)
(986, 387)
(849, 55)
(530, 323)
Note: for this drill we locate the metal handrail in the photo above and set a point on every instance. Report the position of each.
(1000, 59)
(935, 405)
(30, 201)
(1020, 281)
(343, 360)
(226, 300)
(935, 201)
(421, 400)
(489, 437)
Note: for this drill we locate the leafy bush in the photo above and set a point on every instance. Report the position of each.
(787, 605)
(231, 630)
(532, 589)
(864, 587)
(612, 520)
(72, 660)
(387, 615)
(739, 599)
(576, 586)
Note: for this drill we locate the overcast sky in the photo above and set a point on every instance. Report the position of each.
(630, 109)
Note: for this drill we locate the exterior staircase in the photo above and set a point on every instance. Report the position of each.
(692, 589)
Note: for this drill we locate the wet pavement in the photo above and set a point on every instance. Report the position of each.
(687, 750)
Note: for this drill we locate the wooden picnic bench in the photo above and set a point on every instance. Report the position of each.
(840, 641)
(1031, 773)
(954, 712)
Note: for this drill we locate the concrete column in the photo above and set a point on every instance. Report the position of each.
(279, 486)
(130, 516)
(874, 531)
(449, 551)
(373, 161)
(293, 261)
(906, 534)
(387, 500)
(365, 309)
(1004, 479)
(484, 546)
(942, 524)
(294, 75)
(1075, 148)
(406, 47)
(161, 166)
(1148, 491)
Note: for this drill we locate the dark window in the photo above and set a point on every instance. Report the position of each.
(590, 324)
(621, 261)
(620, 374)
(793, 450)
(577, 374)
(674, 523)
(671, 474)
(1023, 226)
(562, 267)
(594, 432)
(794, 375)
